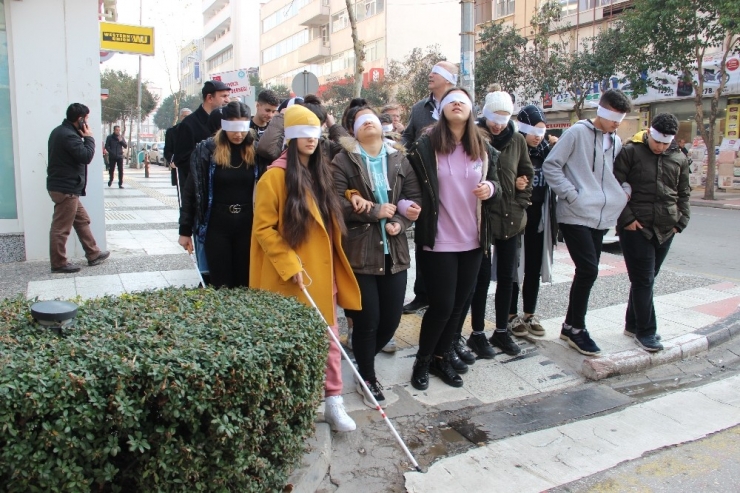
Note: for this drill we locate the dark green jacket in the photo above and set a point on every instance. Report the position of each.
(424, 162)
(510, 211)
(660, 188)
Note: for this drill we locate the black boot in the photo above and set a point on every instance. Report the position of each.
(420, 375)
(442, 368)
(457, 363)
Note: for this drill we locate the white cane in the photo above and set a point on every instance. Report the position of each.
(364, 386)
(190, 250)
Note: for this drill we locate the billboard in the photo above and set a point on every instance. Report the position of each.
(126, 39)
(237, 80)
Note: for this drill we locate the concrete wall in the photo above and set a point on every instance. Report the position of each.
(412, 26)
(54, 61)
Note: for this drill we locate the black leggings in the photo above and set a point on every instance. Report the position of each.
(114, 162)
(375, 324)
(227, 245)
(506, 262)
(449, 279)
(533, 251)
(584, 247)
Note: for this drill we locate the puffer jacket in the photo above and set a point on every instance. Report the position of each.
(424, 162)
(364, 241)
(660, 188)
(510, 210)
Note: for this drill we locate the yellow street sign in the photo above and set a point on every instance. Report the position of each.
(126, 39)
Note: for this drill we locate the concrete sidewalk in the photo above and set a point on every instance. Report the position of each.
(141, 226)
(727, 199)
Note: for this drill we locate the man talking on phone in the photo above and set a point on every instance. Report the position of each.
(71, 149)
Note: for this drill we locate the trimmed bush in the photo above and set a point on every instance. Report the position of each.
(171, 390)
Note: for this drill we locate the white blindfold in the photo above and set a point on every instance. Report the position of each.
(369, 117)
(530, 130)
(302, 131)
(235, 125)
(661, 137)
(606, 114)
(447, 75)
(495, 117)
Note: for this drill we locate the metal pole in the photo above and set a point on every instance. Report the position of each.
(467, 47)
(138, 93)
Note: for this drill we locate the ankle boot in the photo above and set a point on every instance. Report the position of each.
(420, 375)
(442, 368)
(457, 363)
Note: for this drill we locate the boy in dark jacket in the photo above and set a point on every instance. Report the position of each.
(658, 173)
(71, 149)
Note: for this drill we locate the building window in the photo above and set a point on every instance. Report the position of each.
(592, 4)
(506, 7)
(276, 18)
(364, 9)
(569, 6)
(222, 57)
(375, 50)
(285, 46)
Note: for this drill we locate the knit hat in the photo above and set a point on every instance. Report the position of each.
(499, 101)
(531, 115)
(301, 122)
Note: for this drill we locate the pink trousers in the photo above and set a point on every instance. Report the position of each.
(333, 382)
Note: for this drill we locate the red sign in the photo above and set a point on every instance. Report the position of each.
(372, 75)
(733, 64)
(558, 125)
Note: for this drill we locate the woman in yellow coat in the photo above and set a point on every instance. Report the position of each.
(297, 239)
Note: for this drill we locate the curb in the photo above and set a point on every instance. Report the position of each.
(634, 360)
(309, 474)
(718, 205)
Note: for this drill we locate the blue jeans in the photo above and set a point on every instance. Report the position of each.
(643, 258)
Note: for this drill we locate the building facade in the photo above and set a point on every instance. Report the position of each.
(57, 68)
(230, 35)
(315, 35)
(191, 67)
(586, 19)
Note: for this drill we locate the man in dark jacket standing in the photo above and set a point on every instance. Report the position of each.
(658, 173)
(114, 145)
(442, 78)
(194, 127)
(71, 149)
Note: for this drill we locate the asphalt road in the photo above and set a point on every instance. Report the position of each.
(710, 246)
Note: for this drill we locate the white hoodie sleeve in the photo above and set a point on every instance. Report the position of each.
(553, 166)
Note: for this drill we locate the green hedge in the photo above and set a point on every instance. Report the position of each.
(169, 390)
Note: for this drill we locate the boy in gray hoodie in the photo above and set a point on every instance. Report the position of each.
(579, 169)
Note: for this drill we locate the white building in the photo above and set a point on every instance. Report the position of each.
(230, 35)
(315, 35)
(191, 67)
(49, 58)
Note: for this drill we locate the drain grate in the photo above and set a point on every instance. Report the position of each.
(118, 216)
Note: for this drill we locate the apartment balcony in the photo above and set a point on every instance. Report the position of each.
(313, 51)
(217, 46)
(316, 13)
(220, 21)
(210, 7)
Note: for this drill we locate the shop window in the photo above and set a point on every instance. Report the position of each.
(8, 206)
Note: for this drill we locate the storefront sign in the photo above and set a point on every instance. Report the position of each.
(237, 80)
(126, 39)
(732, 124)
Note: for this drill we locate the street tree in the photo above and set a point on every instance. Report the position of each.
(410, 76)
(675, 37)
(121, 104)
(500, 60)
(358, 46)
(169, 110)
(282, 92)
(338, 94)
(254, 80)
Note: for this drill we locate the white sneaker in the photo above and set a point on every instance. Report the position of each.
(390, 348)
(336, 416)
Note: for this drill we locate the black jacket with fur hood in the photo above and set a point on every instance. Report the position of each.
(364, 241)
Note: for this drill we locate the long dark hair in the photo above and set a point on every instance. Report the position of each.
(352, 116)
(443, 141)
(300, 181)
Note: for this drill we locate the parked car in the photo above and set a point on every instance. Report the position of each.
(155, 152)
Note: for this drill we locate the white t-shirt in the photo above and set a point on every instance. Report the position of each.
(607, 141)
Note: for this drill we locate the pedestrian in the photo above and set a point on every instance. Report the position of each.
(170, 136)
(657, 171)
(579, 169)
(378, 178)
(114, 145)
(194, 128)
(458, 172)
(540, 234)
(394, 111)
(217, 200)
(509, 220)
(297, 237)
(71, 149)
(425, 112)
(266, 108)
